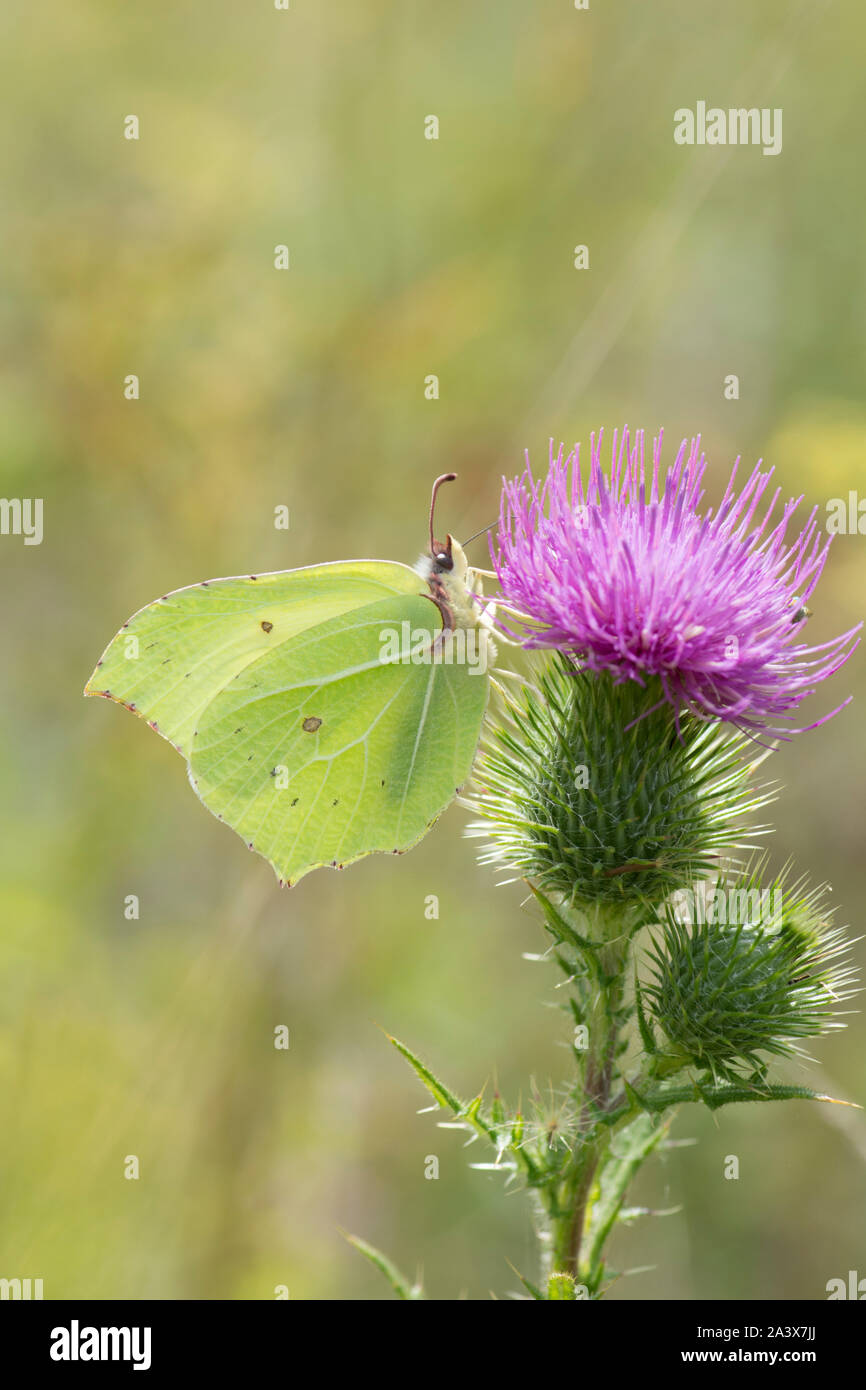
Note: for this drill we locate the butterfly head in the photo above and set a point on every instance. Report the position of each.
(446, 560)
(442, 556)
(444, 566)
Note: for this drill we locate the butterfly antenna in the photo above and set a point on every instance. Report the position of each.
(480, 533)
(443, 478)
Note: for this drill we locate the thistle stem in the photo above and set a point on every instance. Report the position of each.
(572, 1201)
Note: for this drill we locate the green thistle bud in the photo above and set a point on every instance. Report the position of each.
(597, 795)
(752, 971)
(563, 1287)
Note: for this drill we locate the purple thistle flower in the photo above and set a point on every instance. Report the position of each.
(623, 572)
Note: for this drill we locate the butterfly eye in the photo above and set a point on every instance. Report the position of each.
(443, 560)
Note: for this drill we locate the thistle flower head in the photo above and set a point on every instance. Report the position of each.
(600, 806)
(621, 569)
(746, 971)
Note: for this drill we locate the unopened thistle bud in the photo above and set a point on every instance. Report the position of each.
(731, 985)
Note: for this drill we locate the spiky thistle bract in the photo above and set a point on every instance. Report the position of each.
(601, 806)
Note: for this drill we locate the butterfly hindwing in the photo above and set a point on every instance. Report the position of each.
(322, 752)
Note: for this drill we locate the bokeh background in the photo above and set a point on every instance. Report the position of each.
(305, 388)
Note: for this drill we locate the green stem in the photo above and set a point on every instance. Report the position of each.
(570, 1201)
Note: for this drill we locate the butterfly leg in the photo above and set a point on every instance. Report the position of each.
(439, 597)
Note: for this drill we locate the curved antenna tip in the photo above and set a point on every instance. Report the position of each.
(443, 478)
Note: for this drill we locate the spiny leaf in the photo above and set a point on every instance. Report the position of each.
(531, 1288)
(473, 1116)
(646, 1032)
(729, 1095)
(665, 1097)
(562, 931)
(399, 1283)
(467, 1111)
(438, 1090)
(629, 1150)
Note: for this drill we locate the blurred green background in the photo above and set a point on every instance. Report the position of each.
(305, 388)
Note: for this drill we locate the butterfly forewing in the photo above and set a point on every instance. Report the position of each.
(174, 656)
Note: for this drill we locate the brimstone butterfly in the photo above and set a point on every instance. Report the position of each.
(325, 713)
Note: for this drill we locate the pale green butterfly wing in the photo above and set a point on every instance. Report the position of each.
(174, 656)
(299, 735)
(322, 752)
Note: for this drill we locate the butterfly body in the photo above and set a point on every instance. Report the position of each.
(454, 588)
